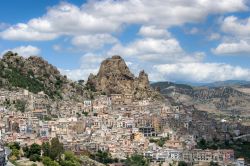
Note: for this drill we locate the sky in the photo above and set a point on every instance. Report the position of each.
(196, 41)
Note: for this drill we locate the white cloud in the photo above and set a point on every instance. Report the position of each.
(162, 13)
(25, 51)
(235, 26)
(153, 32)
(23, 32)
(233, 48)
(78, 74)
(89, 64)
(214, 36)
(154, 50)
(107, 16)
(63, 19)
(202, 72)
(93, 42)
(237, 41)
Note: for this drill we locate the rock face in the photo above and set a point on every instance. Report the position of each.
(114, 77)
(35, 74)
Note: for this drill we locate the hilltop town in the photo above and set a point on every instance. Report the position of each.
(113, 112)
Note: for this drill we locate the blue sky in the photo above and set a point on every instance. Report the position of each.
(188, 41)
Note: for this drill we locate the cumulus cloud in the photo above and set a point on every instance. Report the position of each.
(63, 19)
(89, 64)
(93, 42)
(235, 26)
(153, 32)
(97, 17)
(155, 50)
(23, 32)
(238, 41)
(25, 51)
(233, 48)
(202, 72)
(78, 74)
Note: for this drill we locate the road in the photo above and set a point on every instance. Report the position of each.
(8, 151)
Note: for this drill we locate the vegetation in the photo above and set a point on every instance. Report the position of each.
(136, 160)
(85, 113)
(70, 160)
(213, 163)
(15, 76)
(53, 150)
(90, 86)
(15, 151)
(103, 157)
(49, 162)
(160, 142)
(241, 148)
(33, 152)
(53, 154)
(20, 105)
(17, 79)
(164, 85)
(182, 163)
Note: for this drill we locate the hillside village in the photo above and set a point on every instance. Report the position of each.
(120, 123)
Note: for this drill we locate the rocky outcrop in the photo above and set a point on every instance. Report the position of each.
(114, 77)
(35, 74)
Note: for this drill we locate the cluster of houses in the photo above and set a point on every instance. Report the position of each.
(119, 125)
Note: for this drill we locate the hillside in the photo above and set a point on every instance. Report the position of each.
(219, 100)
(36, 75)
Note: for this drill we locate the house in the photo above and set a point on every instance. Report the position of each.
(39, 113)
(116, 99)
(240, 162)
(128, 98)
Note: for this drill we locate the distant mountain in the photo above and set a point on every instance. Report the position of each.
(209, 98)
(228, 83)
(211, 84)
(163, 86)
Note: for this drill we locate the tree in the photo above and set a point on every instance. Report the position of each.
(20, 105)
(15, 150)
(46, 149)
(56, 149)
(136, 160)
(33, 152)
(14, 145)
(26, 151)
(182, 163)
(70, 160)
(35, 157)
(202, 144)
(213, 163)
(35, 149)
(48, 162)
(16, 153)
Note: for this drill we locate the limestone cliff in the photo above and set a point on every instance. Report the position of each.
(114, 77)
